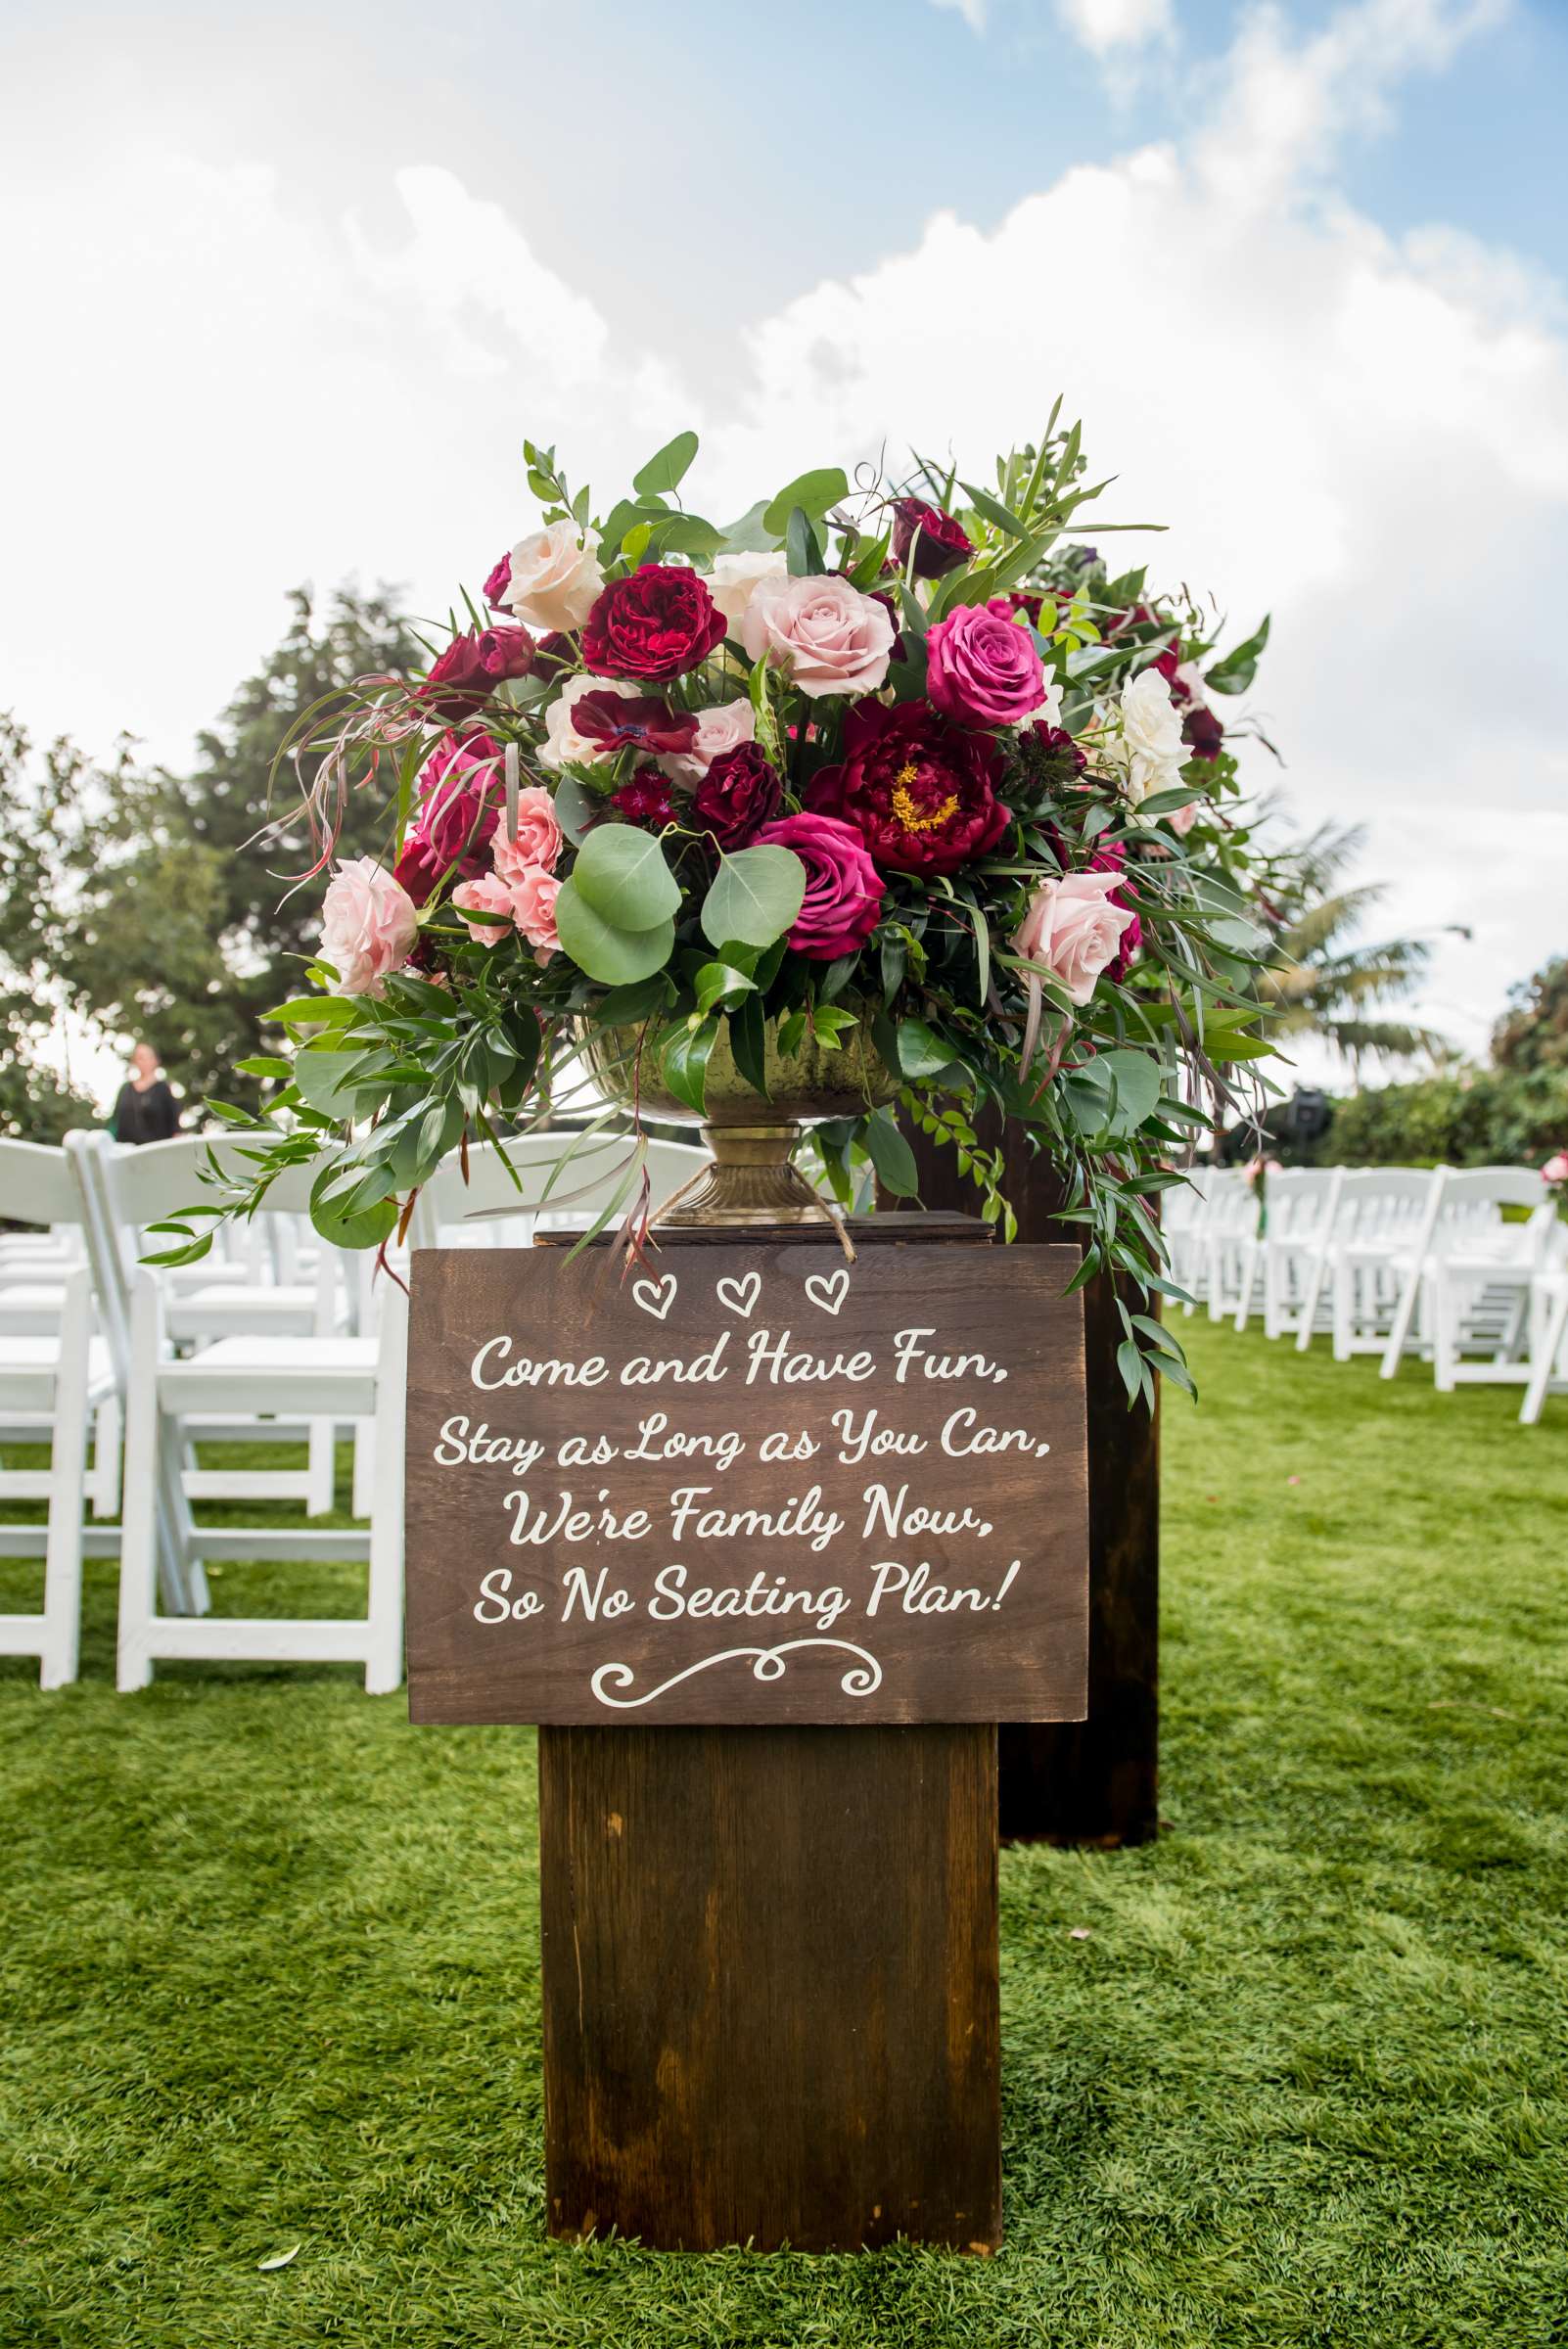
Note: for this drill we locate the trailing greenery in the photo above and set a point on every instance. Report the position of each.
(269, 1970)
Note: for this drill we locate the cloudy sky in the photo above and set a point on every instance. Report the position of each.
(285, 292)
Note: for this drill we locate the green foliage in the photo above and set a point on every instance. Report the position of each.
(1290, 2077)
(1534, 1031)
(755, 897)
(1477, 1118)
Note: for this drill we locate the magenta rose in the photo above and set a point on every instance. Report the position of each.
(467, 672)
(740, 792)
(916, 788)
(461, 796)
(941, 544)
(844, 891)
(659, 623)
(496, 585)
(643, 724)
(984, 670)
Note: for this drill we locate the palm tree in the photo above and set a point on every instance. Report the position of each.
(1322, 981)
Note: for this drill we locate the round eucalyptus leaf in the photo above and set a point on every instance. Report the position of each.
(621, 873)
(615, 957)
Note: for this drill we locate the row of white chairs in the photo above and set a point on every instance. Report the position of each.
(1465, 1267)
(275, 1338)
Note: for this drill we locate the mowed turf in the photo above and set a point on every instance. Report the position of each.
(1295, 2074)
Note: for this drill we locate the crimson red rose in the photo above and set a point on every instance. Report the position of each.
(645, 800)
(467, 672)
(657, 623)
(740, 791)
(917, 787)
(645, 723)
(940, 543)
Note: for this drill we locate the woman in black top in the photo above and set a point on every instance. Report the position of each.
(146, 1110)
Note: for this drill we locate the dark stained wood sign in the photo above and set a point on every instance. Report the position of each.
(750, 1483)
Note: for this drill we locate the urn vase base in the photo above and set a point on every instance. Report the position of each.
(752, 1181)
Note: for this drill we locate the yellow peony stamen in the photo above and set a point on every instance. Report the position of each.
(904, 809)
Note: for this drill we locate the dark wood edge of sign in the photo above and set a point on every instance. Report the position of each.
(965, 1231)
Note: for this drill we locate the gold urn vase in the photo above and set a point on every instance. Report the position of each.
(753, 1140)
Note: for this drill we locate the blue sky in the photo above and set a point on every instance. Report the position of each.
(295, 282)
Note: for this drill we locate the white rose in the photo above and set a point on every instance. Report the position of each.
(1189, 676)
(718, 730)
(1149, 754)
(554, 582)
(563, 745)
(735, 578)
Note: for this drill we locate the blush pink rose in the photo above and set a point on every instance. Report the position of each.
(368, 926)
(489, 894)
(984, 670)
(1073, 928)
(537, 845)
(836, 639)
(1555, 1169)
(719, 730)
(534, 895)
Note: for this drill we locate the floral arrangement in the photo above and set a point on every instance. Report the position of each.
(901, 761)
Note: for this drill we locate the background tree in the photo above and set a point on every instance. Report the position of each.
(1324, 981)
(143, 900)
(1533, 1034)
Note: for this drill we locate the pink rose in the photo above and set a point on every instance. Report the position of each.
(984, 670)
(460, 799)
(368, 926)
(497, 585)
(1555, 1169)
(719, 730)
(844, 891)
(534, 895)
(1073, 928)
(537, 845)
(836, 639)
(489, 894)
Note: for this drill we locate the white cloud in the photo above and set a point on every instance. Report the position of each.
(973, 11)
(228, 391)
(1104, 26)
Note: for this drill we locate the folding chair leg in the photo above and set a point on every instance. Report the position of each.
(138, 1550)
(1544, 1359)
(364, 1492)
(322, 1467)
(383, 1654)
(62, 1626)
(105, 1458)
(1444, 1334)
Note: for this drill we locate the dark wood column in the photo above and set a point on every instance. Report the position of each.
(1094, 1781)
(770, 1971)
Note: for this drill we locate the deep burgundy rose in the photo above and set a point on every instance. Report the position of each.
(916, 788)
(497, 584)
(659, 623)
(553, 652)
(645, 800)
(1202, 731)
(984, 670)
(418, 869)
(940, 543)
(467, 672)
(644, 724)
(740, 791)
(844, 891)
(1136, 616)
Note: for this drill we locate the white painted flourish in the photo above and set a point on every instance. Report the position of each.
(859, 1680)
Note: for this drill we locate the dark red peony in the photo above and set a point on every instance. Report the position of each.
(646, 799)
(497, 585)
(917, 787)
(645, 723)
(740, 792)
(467, 672)
(657, 623)
(940, 543)
(1201, 729)
(844, 891)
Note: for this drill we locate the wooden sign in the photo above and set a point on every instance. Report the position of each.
(749, 1482)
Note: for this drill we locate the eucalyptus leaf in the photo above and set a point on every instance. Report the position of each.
(668, 468)
(621, 875)
(754, 898)
(615, 957)
(814, 492)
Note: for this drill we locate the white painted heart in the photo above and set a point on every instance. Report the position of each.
(740, 1295)
(655, 1297)
(829, 1289)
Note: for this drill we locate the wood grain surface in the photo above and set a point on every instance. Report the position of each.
(748, 1483)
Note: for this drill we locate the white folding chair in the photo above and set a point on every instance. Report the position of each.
(1480, 1271)
(238, 1297)
(1297, 1206)
(330, 1378)
(1548, 1344)
(490, 1209)
(1381, 1233)
(1230, 1222)
(1184, 1218)
(50, 1383)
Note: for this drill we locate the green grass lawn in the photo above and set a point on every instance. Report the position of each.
(269, 1965)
